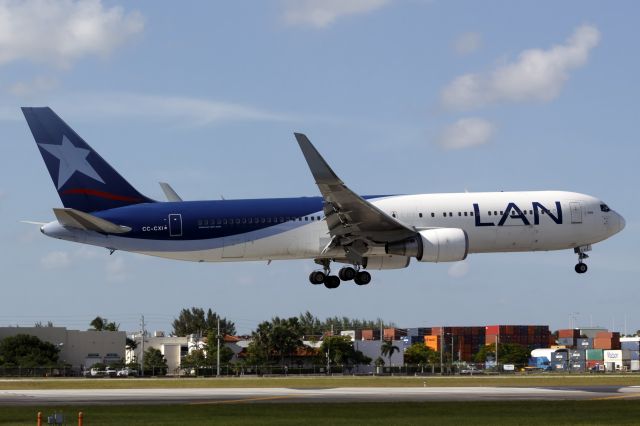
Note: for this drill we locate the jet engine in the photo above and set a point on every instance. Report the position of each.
(433, 245)
(388, 261)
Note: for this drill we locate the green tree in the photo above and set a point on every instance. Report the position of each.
(154, 362)
(195, 360)
(196, 321)
(131, 344)
(103, 324)
(421, 355)
(388, 349)
(341, 351)
(508, 353)
(212, 350)
(275, 339)
(23, 350)
(310, 324)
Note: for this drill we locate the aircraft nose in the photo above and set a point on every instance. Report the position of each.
(621, 222)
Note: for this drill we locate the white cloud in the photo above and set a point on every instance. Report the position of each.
(536, 75)
(61, 31)
(322, 13)
(458, 269)
(56, 260)
(467, 43)
(135, 105)
(28, 88)
(465, 133)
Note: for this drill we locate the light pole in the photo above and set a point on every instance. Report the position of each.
(441, 349)
(497, 363)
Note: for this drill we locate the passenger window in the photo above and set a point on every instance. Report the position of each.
(250, 220)
(393, 214)
(459, 214)
(489, 213)
(199, 222)
(501, 212)
(450, 214)
(471, 213)
(495, 213)
(311, 217)
(465, 213)
(237, 221)
(306, 218)
(244, 220)
(444, 214)
(433, 215)
(419, 214)
(318, 217)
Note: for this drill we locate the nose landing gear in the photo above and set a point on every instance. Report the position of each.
(581, 267)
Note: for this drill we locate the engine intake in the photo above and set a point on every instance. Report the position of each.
(433, 245)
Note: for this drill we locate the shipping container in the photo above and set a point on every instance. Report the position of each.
(595, 355)
(432, 342)
(631, 346)
(371, 334)
(394, 333)
(584, 343)
(567, 341)
(607, 335)
(572, 333)
(635, 365)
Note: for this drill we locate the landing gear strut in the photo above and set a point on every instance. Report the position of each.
(581, 267)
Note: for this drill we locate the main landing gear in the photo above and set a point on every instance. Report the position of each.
(581, 267)
(346, 273)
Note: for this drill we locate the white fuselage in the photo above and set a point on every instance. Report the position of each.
(494, 222)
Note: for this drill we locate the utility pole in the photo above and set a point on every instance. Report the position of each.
(497, 363)
(329, 352)
(218, 352)
(451, 353)
(441, 349)
(143, 332)
(381, 331)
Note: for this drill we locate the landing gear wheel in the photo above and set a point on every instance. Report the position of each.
(347, 273)
(331, 281)
(362, 278)
(581, 268)
(317, 277)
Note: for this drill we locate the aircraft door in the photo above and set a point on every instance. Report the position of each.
(576, 212)
(175, 225)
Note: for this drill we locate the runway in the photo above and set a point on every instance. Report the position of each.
(280, 395)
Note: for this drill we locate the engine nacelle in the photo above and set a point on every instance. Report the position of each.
(433, 245)
(388, 261)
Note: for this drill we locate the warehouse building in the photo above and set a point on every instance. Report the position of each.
(80, 349)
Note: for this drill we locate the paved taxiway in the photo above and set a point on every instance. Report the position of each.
(364, 394)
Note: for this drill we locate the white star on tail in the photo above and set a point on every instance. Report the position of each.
(72, 159)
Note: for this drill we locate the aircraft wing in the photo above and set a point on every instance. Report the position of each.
(80, 220)
(354, 223)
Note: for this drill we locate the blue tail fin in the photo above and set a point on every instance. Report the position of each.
(82, 178)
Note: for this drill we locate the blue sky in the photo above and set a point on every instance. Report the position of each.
(399, 96)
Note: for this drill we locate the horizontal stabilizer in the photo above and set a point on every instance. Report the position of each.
(169, 192)
(76, 219)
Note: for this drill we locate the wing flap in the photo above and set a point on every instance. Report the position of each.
(80, 220)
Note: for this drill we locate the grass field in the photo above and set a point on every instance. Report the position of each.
(618, 412)
(322, 382)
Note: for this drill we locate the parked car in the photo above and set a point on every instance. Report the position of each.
(110, 371)
(127, 372)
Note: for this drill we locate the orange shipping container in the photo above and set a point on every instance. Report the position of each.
(431, 342)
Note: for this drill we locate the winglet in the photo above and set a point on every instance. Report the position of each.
(321, 171)
(76, 219)
(169, 192)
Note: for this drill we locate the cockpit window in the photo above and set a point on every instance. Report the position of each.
(604, 208)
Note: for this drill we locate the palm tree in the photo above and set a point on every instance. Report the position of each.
(388, 349)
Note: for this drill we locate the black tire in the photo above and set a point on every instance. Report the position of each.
(331, 281)
(581, 268)
(317, 277)
(362, 278)
(347, 273)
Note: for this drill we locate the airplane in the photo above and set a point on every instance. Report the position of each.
(364, 233)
